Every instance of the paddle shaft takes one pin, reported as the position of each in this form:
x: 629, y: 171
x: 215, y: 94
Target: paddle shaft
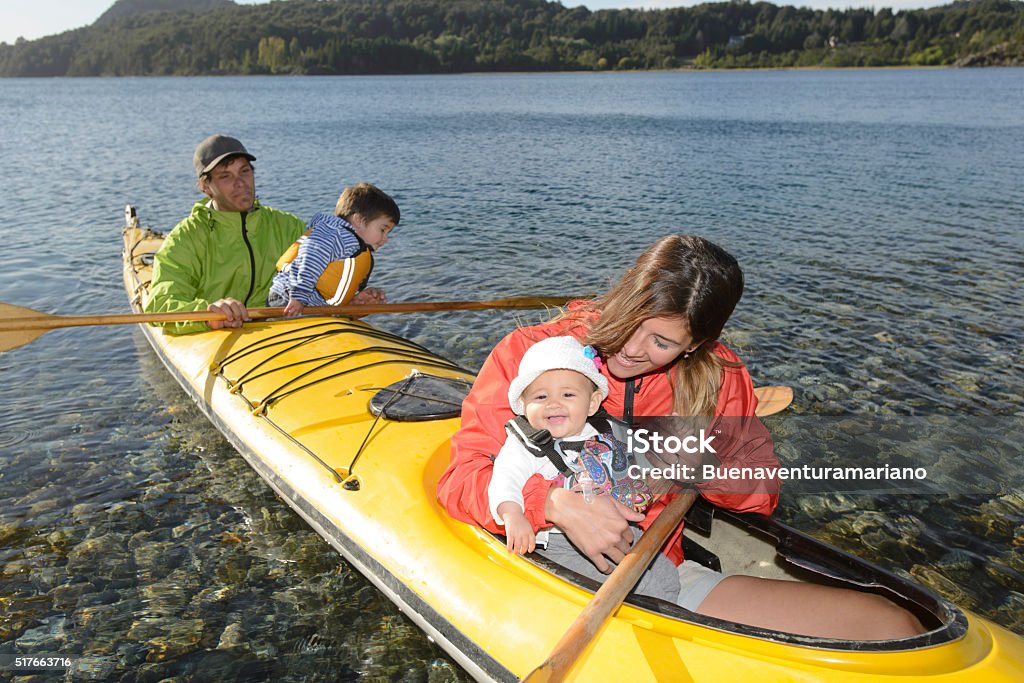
x: 51, y: 322
x: 612, y: 592
x: 20, y: 326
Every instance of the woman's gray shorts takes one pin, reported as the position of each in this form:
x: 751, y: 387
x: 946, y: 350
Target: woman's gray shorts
x: 695, y: 583
x: 686, y: 585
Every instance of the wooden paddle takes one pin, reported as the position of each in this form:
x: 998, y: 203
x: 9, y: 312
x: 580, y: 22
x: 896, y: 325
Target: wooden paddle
x: 771, y: 400
x: 19, y: 326
x: 611, y: 594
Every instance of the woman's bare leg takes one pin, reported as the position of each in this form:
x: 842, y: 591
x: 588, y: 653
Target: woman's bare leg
x: 808, y: 609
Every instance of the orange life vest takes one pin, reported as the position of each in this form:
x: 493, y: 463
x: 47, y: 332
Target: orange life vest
x: 341, y: 280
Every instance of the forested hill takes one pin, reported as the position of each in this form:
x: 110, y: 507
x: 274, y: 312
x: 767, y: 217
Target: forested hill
x: 434, y: 36
x: 127, y: 8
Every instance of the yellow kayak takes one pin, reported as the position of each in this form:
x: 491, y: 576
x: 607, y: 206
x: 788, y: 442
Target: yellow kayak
x: 350, y: 425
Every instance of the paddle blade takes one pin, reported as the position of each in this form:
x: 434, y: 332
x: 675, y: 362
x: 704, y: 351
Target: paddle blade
x: 771, y: 400
x: 12, y: 339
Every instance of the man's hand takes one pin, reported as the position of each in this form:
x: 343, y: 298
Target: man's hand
x: 370, y: 295
x: 234, y: 310
x: 599, y: 529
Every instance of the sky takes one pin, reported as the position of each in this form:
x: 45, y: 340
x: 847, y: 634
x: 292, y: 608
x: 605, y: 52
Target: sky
x: 36, y: 18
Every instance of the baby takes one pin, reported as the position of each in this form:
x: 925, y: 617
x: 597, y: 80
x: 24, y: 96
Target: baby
x: 558, y: 387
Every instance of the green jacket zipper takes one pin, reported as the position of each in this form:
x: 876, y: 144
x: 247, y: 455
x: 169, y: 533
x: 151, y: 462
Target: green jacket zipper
x: 252, y: 261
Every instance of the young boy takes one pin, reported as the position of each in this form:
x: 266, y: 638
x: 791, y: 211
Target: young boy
x: 331, y: 264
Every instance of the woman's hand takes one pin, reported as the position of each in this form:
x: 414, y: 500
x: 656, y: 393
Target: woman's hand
x: 293, y: 309
x: 599, y: 529
x: 234, y: 311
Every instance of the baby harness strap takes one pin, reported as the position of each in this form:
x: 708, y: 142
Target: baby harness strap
x: 603, y: 457
x: 539, y: 442
x: 607, y: 462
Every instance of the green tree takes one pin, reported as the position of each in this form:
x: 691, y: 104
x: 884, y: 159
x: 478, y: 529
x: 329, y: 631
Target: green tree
x: 271, y: 53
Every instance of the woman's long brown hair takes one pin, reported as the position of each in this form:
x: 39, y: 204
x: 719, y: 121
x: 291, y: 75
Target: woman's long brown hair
x: 682, y: 276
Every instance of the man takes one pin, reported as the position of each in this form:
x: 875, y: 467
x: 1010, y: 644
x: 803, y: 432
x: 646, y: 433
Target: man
x: 222, y: 257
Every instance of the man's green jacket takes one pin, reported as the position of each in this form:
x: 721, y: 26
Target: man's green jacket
x: 215, y: 255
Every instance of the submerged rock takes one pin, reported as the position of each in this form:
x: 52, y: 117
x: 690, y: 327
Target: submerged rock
x: 167, y: 638
x: 1012, y: 611
x: 233, y: 636
x: 942, y: 585
x: 104, y: 555
x: 442, y: 671
x: 92, y: 668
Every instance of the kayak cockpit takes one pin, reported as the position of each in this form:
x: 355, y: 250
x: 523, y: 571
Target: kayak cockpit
x: 725, y: 541
x: 751, y: 544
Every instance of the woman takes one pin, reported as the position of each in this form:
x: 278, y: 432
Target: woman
x: 657, y: 332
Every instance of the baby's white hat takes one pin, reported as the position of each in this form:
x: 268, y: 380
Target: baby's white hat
x: 555, y: 353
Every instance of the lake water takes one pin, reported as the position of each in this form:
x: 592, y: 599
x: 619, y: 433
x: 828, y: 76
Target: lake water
x: 879, y: 217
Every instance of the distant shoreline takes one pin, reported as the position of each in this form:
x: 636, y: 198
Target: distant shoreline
x: 398, y: 37
x: 610, y: 72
